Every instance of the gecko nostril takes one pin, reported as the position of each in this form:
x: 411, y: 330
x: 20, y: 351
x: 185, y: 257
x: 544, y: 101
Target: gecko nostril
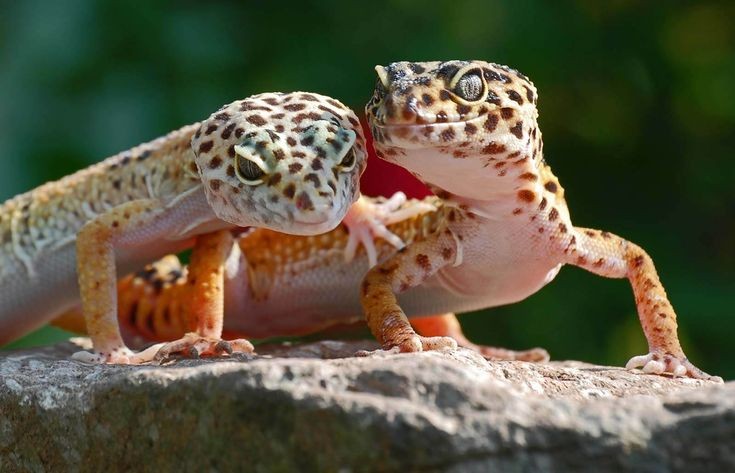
x: 303, y: 201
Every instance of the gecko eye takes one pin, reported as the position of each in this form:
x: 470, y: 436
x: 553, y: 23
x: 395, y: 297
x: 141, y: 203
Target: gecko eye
x: 348, y: 162
x: 470, y: 86
x: 249, y: 172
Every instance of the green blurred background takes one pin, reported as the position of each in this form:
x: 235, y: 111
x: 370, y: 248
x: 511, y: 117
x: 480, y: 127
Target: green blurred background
x: 637, y: 106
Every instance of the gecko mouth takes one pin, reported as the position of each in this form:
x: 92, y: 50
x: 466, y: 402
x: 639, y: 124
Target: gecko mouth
x: 419, y: 126
x: 416, y: 135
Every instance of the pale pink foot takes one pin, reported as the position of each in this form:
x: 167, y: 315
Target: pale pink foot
x: 119, y: 356
x: 662, y: 363
x: 415, y: 343
x: 368, y: 219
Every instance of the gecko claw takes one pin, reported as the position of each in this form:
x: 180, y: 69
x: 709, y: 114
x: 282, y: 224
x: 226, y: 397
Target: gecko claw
x: 223, y: 347
x: 368, y: 220
x: 194, y: 346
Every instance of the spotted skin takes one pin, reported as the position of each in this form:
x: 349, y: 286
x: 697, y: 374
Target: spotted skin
x: 469, y: 129
x: 297, y: 142
x: 289, y: 162
x: 300, y: 286
x: 500, y: 230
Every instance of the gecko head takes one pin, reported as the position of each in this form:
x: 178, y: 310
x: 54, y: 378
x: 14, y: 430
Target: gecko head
x: 289, y: 162
x: 463, y: 110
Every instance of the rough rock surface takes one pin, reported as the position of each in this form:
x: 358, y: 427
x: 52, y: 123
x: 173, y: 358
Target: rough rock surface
x: 308, y: 408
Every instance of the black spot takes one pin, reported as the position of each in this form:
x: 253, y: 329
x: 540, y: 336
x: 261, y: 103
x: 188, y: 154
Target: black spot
x: 256, y: 120
x: 289, y: 191
x: 294, y: 107
x: 491, y: 123
x: 447, y: 70
x: 274, y: 179
x: 447, y: 134
x: 517, y: 130
x: 228, y: 130
x: 272, y: 135
x: 416, y: 68
x: 206, y: 146
x: 529, y: 94
x: 515, y: 96
x: 215, y: 162
x: 337, y: 145
x: 491, y: 75
x: 463, y: 110
x: 314, y: 179
x: 493, y: 98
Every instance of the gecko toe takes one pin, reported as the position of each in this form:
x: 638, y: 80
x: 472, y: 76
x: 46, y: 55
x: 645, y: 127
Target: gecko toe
x: 664, y: 363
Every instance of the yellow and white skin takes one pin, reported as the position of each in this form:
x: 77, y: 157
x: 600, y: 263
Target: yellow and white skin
x: 285, y: 161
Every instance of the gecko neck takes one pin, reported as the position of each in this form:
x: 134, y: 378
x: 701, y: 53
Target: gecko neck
x: 486, y: 186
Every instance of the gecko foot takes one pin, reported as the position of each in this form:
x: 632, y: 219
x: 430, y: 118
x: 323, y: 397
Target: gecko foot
x: 660, y: 363
x: 194, y: 345
x: 368, y: 219
x: 412, y: 344
x: 117, y: 356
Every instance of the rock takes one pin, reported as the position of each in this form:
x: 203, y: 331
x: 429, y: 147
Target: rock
x: 314, y: 408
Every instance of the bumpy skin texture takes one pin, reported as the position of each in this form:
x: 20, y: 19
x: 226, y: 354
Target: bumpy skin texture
x: 289, y: 162
x: 469, y: 129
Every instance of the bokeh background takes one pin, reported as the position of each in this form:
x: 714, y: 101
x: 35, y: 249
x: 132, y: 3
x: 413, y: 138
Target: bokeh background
x: 637, y: 109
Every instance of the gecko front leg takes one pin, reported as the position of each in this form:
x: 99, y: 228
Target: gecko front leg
x: 408, y: 268
x: 98, y: 279
x: 611, y: 256
x: 205, y: 308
